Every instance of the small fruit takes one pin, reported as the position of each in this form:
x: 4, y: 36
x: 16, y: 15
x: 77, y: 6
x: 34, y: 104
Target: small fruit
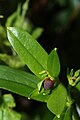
x: 48, y: 83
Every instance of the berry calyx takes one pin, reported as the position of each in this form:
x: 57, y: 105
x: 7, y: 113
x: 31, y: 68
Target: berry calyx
x: 48, y: 84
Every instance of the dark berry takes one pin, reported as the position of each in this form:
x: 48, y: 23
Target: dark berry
x: 48, y: 84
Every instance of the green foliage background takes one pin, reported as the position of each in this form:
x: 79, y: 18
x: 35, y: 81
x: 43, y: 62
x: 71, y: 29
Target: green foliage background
x: 54, y: 23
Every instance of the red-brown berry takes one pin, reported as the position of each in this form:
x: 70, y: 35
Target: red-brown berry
x: 48, y: 83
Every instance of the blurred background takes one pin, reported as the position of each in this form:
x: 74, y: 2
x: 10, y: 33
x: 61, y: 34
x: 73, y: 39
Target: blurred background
x: 54, y: 23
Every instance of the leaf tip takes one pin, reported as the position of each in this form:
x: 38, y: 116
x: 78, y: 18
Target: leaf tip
x: 55, y: 49
x: 29, y: 98
x: 58, y: 116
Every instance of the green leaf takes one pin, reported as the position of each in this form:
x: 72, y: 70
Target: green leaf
x: 53, y: 63
x: 37, y: 32
x: 12, y: 19
x: 17, y: 81
x: 9, y: 100
x: 29, y: 50
x: 57, y: 100
x: 12, y: 61
x: 56, y: 118
x: 68, y: 115
x: 6, y: 112
x: 39, y: 96
x: 20, y: 82
x: 77, y: 73
x: 78, y: 86
x: 11, y: 115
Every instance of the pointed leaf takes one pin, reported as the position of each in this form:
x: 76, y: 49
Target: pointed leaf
x: 53, y: 63
x: 20, y: 82
x: 56, y: 118
x: 57, y: 100
x: 29, y: 50
x: 66, y: 115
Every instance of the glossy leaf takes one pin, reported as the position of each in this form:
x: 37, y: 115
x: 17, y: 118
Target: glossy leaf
x: 29, y: 50
x: 17, y: 81
x: 20, y: 82
x: 39, y: 96
x: 57, y: 100
x: 53, y: 64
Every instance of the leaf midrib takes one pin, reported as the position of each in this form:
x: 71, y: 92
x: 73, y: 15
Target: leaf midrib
x: 15, y: 82
x: 26, y: 50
